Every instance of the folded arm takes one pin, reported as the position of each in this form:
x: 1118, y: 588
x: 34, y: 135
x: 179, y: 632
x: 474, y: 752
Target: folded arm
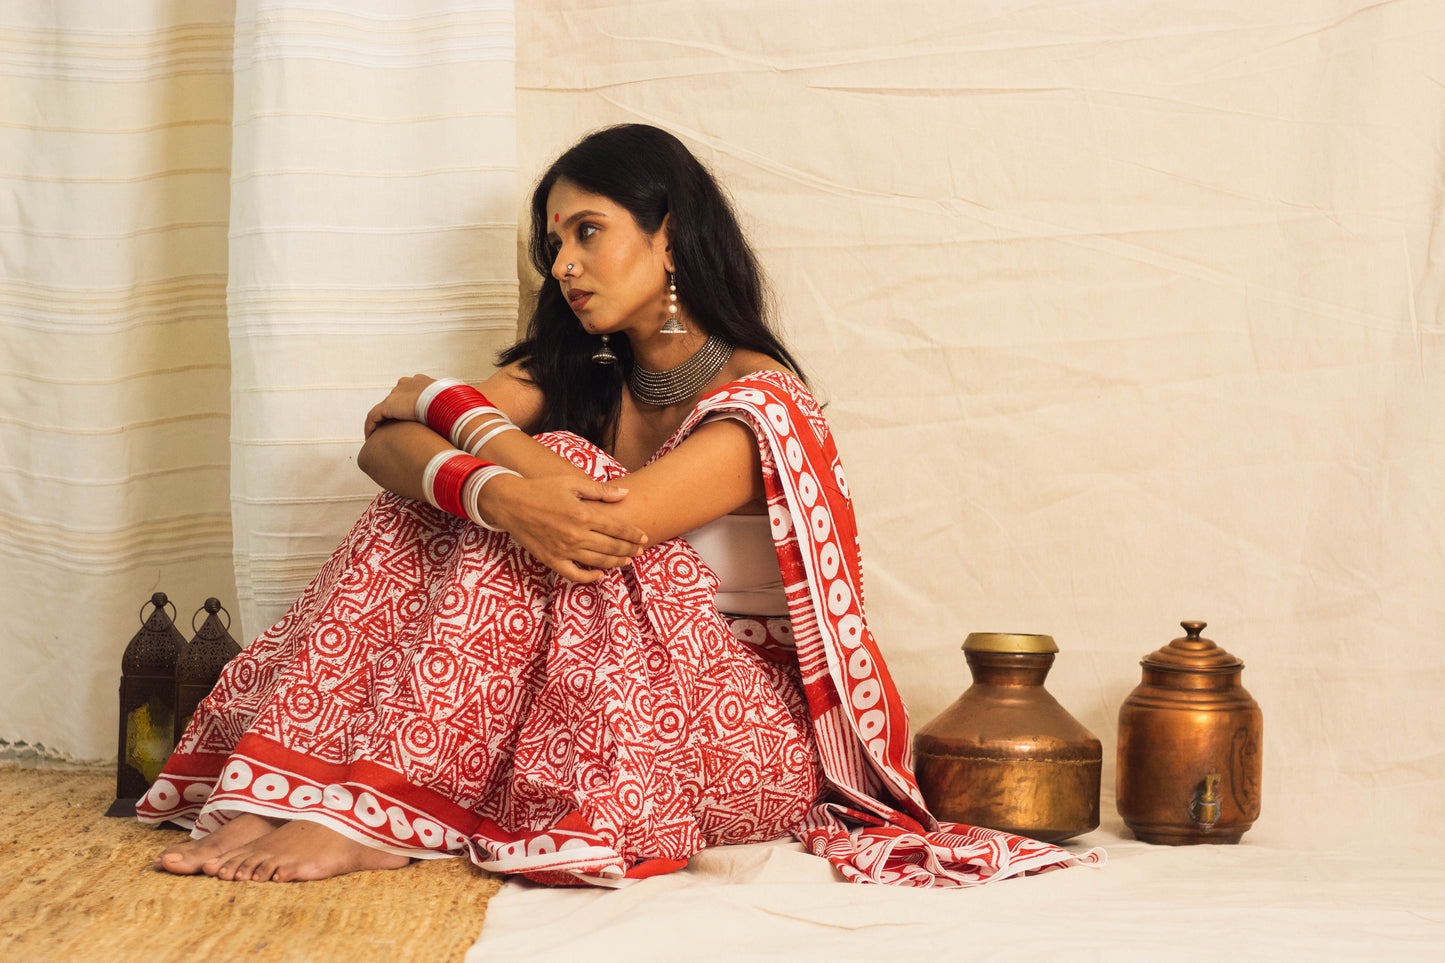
x: 574, y: 524
x: 712, y: 473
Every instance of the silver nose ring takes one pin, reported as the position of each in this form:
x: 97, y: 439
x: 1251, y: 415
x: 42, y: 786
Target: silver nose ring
x: 569, y: 269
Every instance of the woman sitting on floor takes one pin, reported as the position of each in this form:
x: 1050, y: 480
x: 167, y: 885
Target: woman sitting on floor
x: 585, y: 649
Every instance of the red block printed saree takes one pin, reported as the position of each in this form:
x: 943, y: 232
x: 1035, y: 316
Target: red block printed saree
x: 437, y: 690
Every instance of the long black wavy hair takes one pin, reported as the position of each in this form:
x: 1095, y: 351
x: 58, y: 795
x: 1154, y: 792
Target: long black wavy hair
x: 650, y: 173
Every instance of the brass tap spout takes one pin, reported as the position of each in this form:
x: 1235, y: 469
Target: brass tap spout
x: 1204, y: 807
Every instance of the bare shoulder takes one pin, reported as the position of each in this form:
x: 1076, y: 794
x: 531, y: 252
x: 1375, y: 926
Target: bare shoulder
x: 745, y: 362
x: 515, y: 372
x: 511, y: 390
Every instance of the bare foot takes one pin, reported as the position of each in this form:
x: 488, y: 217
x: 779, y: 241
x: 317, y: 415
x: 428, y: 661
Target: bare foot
x: 300, y: 850
x: 186, y: 859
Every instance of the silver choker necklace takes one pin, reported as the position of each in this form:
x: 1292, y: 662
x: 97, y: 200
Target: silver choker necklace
x: 662, y: 388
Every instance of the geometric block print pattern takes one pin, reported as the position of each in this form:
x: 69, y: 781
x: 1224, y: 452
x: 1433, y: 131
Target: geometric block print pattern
x: 436, y: 690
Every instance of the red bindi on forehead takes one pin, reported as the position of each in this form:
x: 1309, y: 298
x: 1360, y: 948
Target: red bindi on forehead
x: 556, y: 218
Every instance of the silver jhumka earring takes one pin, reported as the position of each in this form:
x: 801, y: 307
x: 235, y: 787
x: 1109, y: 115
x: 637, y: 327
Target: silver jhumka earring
x: 603, y: 354
x: 674, y: 324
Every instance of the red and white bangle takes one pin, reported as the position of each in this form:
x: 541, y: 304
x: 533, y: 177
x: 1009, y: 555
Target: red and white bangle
x: 473, y: 492
x: 444, y: 477
x: 424, y: 400
x: 446, y: 405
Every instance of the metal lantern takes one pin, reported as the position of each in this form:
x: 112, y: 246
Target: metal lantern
x: 147, y: 705
x: 200, y: 664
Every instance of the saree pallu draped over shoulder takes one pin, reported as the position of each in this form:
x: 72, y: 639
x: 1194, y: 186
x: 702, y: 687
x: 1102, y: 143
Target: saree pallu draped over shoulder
x: 437, y: 690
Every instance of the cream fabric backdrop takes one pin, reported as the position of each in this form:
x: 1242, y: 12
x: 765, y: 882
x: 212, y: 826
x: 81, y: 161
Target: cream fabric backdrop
x: 1127, y: 313
x: 350, y: 200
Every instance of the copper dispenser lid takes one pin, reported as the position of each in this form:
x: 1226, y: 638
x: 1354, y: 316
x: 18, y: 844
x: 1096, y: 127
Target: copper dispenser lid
x: 1008, y: 642
x: 1192, y: 654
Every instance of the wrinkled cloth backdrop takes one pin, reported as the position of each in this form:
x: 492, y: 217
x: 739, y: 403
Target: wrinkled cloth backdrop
x: 1125, y: 314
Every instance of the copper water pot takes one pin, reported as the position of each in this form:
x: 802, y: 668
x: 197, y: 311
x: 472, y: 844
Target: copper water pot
x: 1006, y: 755
x: 1189, y: 746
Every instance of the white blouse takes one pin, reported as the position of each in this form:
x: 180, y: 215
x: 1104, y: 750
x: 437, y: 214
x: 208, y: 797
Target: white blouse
x: 739, y: 550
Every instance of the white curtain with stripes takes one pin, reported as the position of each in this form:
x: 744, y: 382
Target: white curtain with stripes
x: 225, y: 229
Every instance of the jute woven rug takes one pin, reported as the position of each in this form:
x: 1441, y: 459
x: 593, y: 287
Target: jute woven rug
x: 77, y: 887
